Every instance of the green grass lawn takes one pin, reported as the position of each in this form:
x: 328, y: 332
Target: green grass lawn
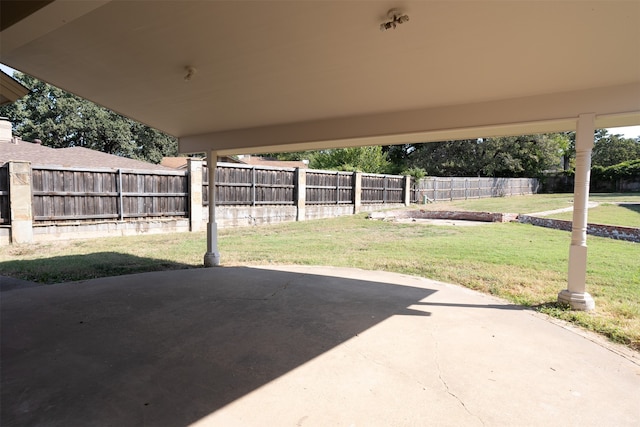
x: 519, y: 262
x: 606, y: 213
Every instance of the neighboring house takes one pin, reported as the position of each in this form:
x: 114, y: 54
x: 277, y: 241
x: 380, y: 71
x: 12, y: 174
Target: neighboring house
x: 181, y: 162
x: 265, y: 161
x: 15, y: 149
x: 174, y: 162
x: 178, y: 162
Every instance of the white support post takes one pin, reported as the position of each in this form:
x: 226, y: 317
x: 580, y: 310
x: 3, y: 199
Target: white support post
x: 212, y: 257
x: 575, y: 295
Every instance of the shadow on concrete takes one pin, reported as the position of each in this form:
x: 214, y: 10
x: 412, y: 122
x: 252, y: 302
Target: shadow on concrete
x: 169, y: 348
x: 69, y: 268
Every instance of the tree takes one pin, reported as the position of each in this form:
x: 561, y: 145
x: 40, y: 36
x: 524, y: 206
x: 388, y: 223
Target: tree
x: 363, y: 159
x: 61, y: 119
x: 566, y: 142
x: 513, y: 156
x: 448, y: 158
x: 609, y: 150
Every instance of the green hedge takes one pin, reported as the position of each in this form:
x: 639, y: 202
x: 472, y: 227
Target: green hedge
x: 624, y: 170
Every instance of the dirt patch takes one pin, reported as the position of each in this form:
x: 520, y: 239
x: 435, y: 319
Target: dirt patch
x: 443, y: 217
x: 459, y: 223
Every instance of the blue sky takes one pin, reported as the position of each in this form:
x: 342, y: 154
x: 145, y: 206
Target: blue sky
x: 628, y: 131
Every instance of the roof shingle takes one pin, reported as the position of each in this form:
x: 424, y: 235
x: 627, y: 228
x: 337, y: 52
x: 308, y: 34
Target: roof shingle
x: 81, y: 157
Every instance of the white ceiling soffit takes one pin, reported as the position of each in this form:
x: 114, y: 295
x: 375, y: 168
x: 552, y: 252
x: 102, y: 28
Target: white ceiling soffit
x: 317, y: 73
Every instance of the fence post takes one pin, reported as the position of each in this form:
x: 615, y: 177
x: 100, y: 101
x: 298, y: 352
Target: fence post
x: 384, y: 189
x: 357, y: 191
x: 194, y: 171
x: 120, y: 201
x: 435, y: 189
x: 407, y: 190
x: 253, y: 186
x: 301, y: 194
x: 20, y: 211
x: 451, y: 189
x: 337, y: 187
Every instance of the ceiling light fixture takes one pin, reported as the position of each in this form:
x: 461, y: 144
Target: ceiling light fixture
x: 395, y: 18
x: 190, y: 72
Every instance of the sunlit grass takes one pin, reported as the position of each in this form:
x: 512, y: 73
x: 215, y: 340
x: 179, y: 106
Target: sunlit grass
x: 625, y: 215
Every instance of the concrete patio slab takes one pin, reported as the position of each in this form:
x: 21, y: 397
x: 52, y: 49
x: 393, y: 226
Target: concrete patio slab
x: 299, y: 346
x: 9, y: 283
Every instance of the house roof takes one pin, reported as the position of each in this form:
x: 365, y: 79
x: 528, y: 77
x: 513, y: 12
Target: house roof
x: 174, y: 162
x: 18, y: 150
x: 181, y: 162
x: 247, y: 77
x: 261, y: 161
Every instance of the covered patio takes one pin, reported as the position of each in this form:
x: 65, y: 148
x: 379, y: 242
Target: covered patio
x: 232, y: 77
x: 229, y: 77
x: 313, y: 346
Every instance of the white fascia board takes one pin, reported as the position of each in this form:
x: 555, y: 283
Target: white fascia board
x: 613, y: 106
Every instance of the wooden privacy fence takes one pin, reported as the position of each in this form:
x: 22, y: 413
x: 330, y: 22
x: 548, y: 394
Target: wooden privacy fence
x: 383, y: 188
x: 263, y: 185
x: 442, y: 189
x: 63, y: 194
x: 325, y: 187
x: 83, y: 194
x: 251, y: 185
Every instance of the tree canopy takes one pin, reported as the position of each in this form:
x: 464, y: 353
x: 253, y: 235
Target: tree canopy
x: 609, y: 150
x: 61, y: 119
x: 364, y: 159
x: 513, y: 156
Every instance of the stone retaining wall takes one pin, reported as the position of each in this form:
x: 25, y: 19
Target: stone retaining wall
x: 611, y: 231
x: 453, y: 215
